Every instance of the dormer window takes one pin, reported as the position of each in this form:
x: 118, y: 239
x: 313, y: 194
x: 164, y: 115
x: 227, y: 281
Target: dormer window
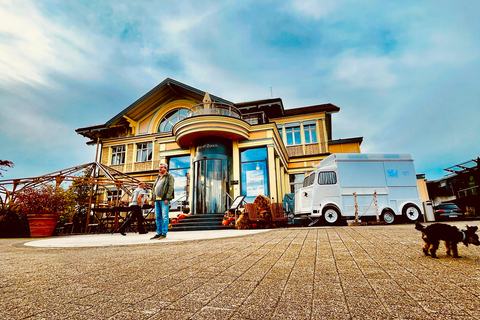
x: 171, y: 118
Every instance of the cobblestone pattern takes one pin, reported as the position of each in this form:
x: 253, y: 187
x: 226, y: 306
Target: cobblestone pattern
x: 369, y: 272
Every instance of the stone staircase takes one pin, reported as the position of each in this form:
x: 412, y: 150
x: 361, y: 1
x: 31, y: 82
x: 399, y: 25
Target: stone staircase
x: 212, y: 221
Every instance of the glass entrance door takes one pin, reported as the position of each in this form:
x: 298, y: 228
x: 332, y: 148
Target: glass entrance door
x: 211, y: 185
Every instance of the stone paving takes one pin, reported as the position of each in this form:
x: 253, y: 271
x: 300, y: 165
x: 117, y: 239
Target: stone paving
x: 363, y: 272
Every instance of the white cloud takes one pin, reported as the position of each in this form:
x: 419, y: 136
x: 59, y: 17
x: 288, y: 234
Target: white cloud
x: 33, y: 46
x: 365, y: 72
x: 442, y: 48
x: 316, y: 9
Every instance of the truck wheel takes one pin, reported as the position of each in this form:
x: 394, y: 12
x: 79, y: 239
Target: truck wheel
x: 331, y: 215
x: 388, y: 216
x: 411, y: 213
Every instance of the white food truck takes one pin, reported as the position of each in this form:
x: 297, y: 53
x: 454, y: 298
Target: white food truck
x: 345, y: 183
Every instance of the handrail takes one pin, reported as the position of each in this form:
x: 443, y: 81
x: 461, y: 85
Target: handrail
x: 214, y: 108
x: 176, y: 200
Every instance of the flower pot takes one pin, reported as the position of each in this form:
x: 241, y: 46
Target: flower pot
x: 42, y: 225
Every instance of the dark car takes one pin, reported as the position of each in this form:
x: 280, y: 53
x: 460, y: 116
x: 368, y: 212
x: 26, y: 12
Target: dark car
x: 447, y: 211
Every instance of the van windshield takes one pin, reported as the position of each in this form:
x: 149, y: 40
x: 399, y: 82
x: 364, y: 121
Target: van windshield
x: 309, y: 180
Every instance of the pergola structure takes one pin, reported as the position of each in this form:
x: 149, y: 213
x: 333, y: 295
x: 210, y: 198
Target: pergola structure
x: 94, y: 174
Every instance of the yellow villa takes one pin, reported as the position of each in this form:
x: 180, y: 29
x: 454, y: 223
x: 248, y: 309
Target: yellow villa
x: 217, y: 149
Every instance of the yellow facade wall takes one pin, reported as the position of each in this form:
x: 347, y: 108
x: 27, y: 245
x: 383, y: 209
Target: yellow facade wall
x: 344, y: 148
x: 422, y: 189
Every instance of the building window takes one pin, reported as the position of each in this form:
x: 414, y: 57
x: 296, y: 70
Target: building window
x: 310, y: 131
x: 293, y: 134
x: 113, y: 196
x: 179, y: 168
x: 171, y: 118
x: 118, y: 155
x: 254, y: 173
x: 327, y: 177
x: 255, y: 118
x: 296, y: 181
x: 144, y: 152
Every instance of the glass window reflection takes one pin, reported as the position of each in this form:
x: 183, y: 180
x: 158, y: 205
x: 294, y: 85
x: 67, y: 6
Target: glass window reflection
x: 171, y: 118
x: 179, y: 162
x: 254, y: 154
x: 254, y: 173
x: 179, y: 168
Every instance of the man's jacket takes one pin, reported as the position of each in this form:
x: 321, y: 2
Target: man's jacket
x: 167, y: 192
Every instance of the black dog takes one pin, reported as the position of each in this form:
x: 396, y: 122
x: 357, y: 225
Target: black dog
x: 433, y: 233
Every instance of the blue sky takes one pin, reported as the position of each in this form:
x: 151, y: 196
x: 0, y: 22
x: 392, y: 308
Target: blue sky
x: 405, y: 74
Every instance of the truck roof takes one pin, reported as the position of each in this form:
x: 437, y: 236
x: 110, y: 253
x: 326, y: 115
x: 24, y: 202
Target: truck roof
x: 364, y: 156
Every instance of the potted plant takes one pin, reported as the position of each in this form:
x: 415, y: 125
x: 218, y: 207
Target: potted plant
x: 44, y: 206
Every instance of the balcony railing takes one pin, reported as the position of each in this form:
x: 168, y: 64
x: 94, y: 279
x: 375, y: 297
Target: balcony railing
x: 472, y: 191
x: 214, y: 108
x: 255, y: 118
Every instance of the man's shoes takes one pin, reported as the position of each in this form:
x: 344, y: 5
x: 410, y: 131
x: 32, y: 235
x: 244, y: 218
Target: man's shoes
x: 123, y: 233
x: 162, y: 237
x: 144, y: 232
x: 155, y: 237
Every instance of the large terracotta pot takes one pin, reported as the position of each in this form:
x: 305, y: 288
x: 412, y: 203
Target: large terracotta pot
x: 42, y: 225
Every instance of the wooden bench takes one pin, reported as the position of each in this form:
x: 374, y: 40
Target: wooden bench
x: 252, y: 211
x: 278, y: 216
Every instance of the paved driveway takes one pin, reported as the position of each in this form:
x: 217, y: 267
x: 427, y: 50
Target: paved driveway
x: 365, y: 272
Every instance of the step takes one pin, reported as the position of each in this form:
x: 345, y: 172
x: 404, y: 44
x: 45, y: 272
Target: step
x: 179, y: 227
x: 205, y: 216
x: 200, y: 220
x: 198, y: 223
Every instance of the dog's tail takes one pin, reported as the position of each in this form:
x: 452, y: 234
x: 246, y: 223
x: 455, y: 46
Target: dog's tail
x: 419, y: 227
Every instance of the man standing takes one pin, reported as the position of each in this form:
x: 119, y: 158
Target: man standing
x: 162, y: 193
x: 136, y: 206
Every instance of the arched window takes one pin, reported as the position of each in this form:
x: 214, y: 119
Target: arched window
x: 171, y: 118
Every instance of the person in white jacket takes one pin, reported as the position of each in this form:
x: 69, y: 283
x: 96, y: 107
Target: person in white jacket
x: 136, y: 203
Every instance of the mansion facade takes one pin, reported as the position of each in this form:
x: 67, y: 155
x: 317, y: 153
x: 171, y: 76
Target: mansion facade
x: 217, y: 149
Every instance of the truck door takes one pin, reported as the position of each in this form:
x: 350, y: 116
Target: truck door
x: 327, y: 190
x: 305, y: 194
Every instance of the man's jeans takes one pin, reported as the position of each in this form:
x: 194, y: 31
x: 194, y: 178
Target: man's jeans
x: 161, y: 216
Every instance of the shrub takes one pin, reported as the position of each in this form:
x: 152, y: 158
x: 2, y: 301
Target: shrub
x: 11, y: 224
x: 46, y: 200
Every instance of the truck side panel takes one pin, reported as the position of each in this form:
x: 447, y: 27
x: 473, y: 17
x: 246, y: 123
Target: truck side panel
x: 400, y: 174
x: 361, y: 174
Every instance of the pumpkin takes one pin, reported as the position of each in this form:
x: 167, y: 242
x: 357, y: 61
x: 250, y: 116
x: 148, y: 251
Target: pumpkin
x: 228, y: 221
